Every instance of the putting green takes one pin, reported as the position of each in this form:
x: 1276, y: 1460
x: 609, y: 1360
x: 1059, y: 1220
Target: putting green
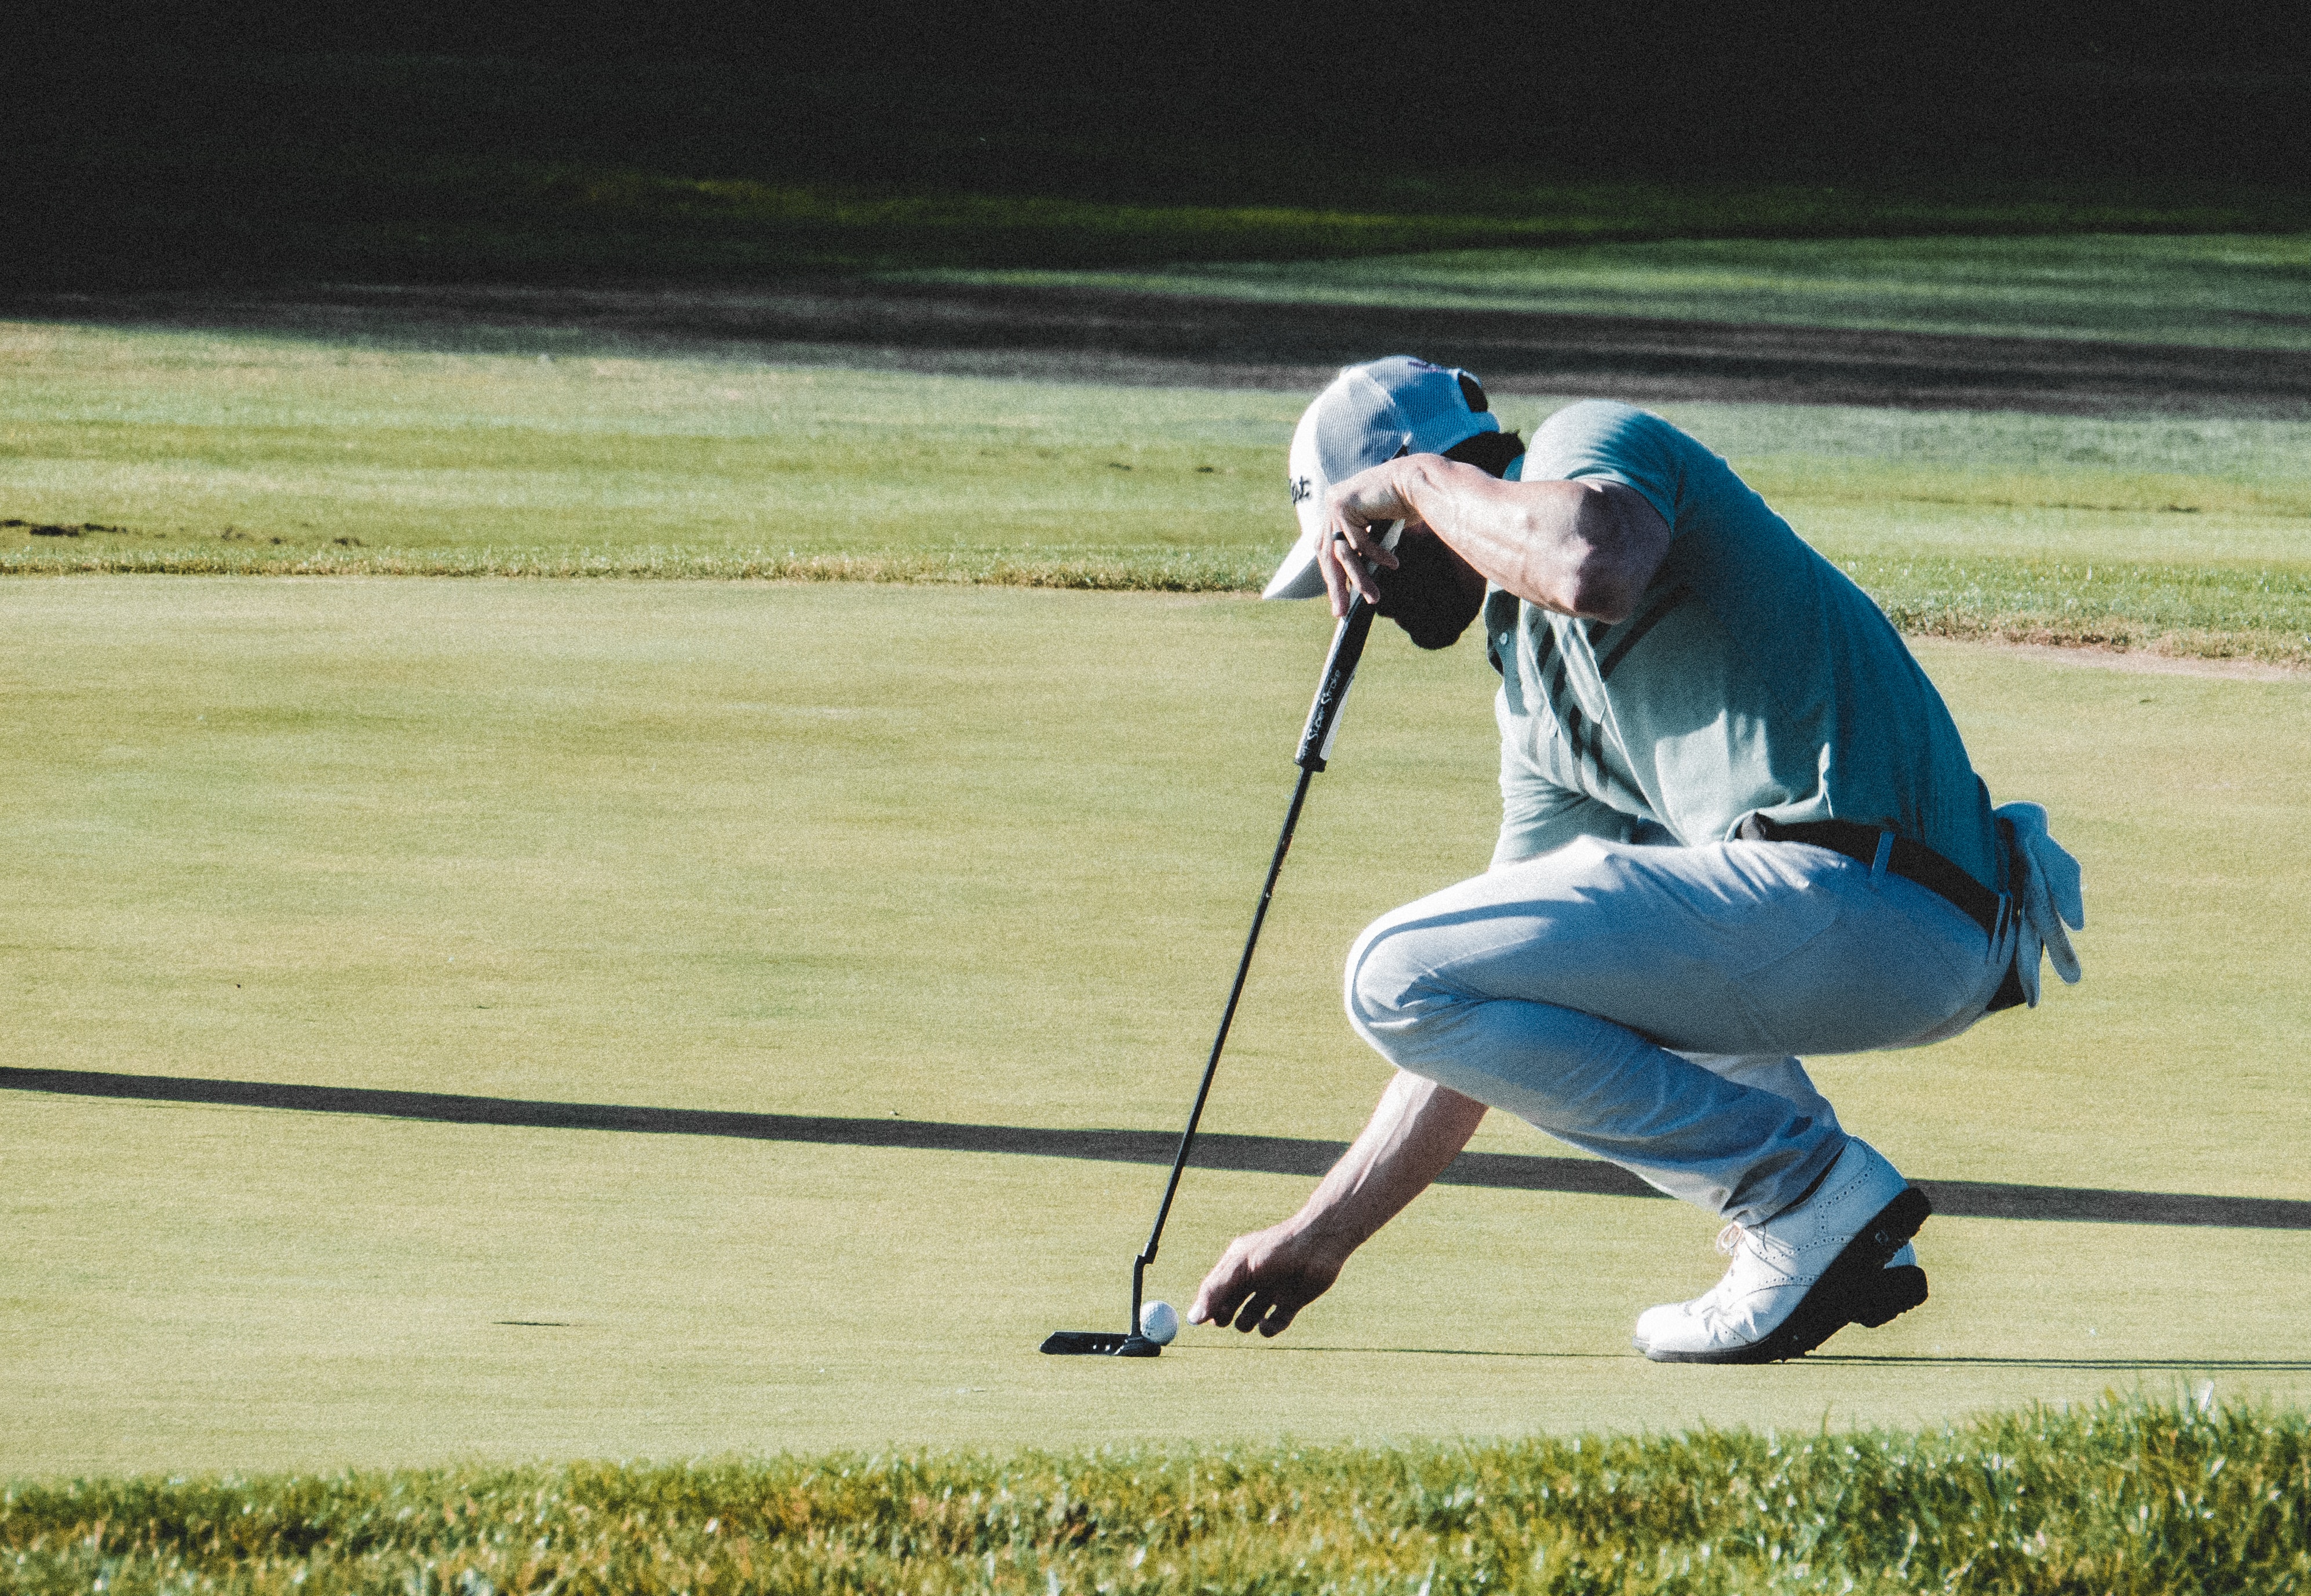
x: 970, y: 855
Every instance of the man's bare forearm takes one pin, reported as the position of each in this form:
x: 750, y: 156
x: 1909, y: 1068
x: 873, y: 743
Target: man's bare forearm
x: 1416, y: 1131
x: 1581, y: 548
x: 1575, y: 546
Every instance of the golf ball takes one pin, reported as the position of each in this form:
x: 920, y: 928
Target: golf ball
x: 1159, y: 1322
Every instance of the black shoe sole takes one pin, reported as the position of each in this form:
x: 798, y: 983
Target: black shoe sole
x: 1848, y: 1290
x: 1885, y: 1299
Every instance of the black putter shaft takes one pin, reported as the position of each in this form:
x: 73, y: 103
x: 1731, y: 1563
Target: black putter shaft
x: 1316, y: 748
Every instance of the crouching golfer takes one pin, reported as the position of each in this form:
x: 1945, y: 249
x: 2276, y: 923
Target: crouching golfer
x: 1738, y: 825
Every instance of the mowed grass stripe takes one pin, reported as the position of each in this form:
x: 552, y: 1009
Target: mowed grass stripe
x: 2241, y: 290
x: 183, y: 453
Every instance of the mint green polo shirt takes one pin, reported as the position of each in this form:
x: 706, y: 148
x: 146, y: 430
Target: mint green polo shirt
x: 1752, y: 676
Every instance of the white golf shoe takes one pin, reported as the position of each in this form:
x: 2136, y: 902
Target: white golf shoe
x: 1838, y: 1257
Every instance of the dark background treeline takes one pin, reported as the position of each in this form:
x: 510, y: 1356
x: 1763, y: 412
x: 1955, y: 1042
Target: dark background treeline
x: 154, y: 142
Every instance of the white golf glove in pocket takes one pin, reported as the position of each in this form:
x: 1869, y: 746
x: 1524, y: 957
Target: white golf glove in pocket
x: 2045, y: 896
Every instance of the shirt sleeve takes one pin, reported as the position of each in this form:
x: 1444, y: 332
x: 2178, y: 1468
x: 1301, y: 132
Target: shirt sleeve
x: 1599, y: 440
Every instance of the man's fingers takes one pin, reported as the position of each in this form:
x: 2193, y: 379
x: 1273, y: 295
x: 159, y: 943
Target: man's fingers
x: 1357, y: 516
x: 1370, y: 541
x: 1335, y: 582
x: 1223, y: 1289
x: 1215, y: 1307
x: 1260, y: 1282
x: 1246, y: 1302
x: 1350, y: 558
x: 1271, y: 1310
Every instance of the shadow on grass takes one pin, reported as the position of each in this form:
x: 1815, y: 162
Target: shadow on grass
x: 1256, y: 1155
x: 1416, y: 1352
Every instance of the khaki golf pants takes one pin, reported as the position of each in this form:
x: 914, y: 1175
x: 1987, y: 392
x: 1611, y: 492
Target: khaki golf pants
x: 1645, y: 1003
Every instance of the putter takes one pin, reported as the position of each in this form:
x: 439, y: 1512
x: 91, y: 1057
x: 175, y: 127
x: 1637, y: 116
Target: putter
x: 1315, y: 749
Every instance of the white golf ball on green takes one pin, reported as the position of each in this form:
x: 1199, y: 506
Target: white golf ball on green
x: 1159, y: 1322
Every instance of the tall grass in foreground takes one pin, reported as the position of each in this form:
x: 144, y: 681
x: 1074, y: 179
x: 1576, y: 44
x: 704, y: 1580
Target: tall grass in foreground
x: 2125, y: 1496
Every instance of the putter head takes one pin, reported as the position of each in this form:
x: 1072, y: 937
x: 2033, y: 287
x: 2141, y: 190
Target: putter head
x: 1099, y: 1344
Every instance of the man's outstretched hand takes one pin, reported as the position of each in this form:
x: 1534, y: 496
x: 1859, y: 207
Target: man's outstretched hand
x: 1264, y: 1279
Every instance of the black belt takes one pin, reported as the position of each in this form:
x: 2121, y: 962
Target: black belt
x: 1913, y: 861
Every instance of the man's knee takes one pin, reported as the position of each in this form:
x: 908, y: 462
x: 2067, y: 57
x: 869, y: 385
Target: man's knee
x: 1390, y: 982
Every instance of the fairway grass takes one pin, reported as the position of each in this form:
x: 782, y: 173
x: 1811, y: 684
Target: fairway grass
x: 985, y: 857
x: 171, y: 452
x: 2226, y: 291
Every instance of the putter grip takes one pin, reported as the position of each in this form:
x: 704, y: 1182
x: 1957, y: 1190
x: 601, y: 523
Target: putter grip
x: 1332, y: 692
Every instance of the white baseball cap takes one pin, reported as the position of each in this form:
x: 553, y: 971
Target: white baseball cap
x: 1371, y: 413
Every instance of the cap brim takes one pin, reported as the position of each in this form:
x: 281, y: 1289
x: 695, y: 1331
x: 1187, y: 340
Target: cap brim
x: 1297, y: 577
x: 1356, y: 424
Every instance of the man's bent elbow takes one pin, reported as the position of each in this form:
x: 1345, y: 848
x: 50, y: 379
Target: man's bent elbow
x: 1610, y: 581
x: 1604, y: 595
x: 1595, y: 588
x: 1626, y: 542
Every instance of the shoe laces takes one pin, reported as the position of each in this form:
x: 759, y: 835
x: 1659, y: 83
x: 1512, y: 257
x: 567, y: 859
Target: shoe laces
x: 1745, y: 1243
x: 1710, y: 1307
